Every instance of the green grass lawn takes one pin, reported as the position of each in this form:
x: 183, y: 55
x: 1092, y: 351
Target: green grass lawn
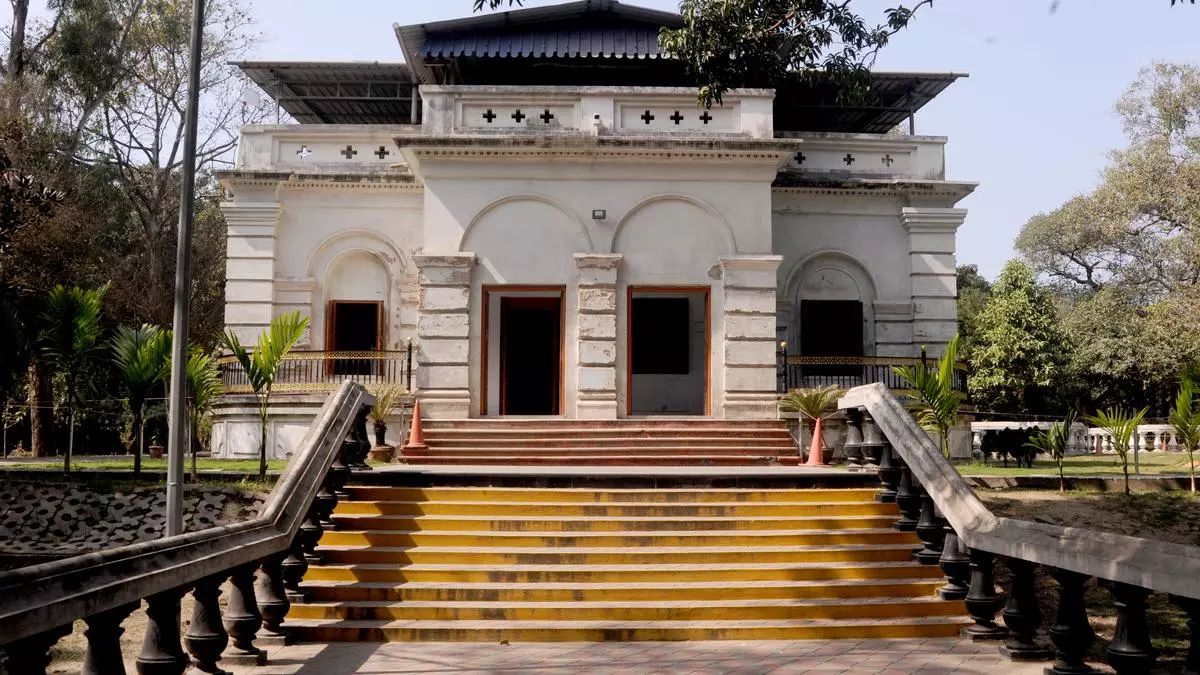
x: 1152, y: 463
x: 126, y: 464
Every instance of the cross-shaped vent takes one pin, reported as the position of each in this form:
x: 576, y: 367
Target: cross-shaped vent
x: 647, y: 117
x: 304, y: 152
x: 676, y: 118
x: 800, y: 158
x: 349, y: 152
x: 489, y: 116
x: 706, y: 118
x: 382, y: 152
x: 518, y: 116
x: 887, y: 159
x: 546, y: 116
x: 848, y: 159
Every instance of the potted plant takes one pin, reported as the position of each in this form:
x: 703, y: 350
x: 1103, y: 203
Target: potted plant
x: 156, y: 448
x: 387, y: 398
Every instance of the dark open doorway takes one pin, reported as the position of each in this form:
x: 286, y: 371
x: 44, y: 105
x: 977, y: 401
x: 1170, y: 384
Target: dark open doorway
x: 354, y: 326
x: 668, y: 348
x: 530, y: 355
x: 831, y: 328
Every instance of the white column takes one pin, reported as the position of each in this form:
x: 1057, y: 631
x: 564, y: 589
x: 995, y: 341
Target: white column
x: 931, y: 233
x: 250, y: 267
x: 748, y: 336
x: 443, y: 350
x: 597, y: 370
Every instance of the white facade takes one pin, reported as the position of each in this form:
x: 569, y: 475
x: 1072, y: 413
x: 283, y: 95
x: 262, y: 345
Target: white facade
x: 596, y: 196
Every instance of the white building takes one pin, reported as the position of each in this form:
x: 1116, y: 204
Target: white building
x: 535, y: 200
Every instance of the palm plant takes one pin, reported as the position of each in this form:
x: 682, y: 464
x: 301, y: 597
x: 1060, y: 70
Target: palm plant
x: 262, y: 366
x: 1185, y: 420
x: 143, y: 359
x: 1054, y: 442
x: 1121, y: 425
x: 387, y: 398
x: 70, y: 341
x: 811, y: 403
x: 934, y: 402
x: 204, y: 386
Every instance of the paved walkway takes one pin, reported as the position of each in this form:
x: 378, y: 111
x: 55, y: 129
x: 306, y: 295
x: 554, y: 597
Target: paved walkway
x: 849, y: 657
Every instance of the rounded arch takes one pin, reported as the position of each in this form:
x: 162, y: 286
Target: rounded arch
x: 350, y: 241
x: 727, y: 231
x: 835, y: 277
x: 335, y: 257
x: 549, y: 201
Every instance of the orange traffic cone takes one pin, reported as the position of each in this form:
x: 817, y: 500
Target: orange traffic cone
x: 416, y: 436
x: 815, y: 458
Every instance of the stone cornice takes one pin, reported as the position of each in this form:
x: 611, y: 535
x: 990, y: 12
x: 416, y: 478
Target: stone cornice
x: 768, y: 263
x: 932, y: 219
x: 372, y: 181
x: 795, y: 183
x: 590, y: 148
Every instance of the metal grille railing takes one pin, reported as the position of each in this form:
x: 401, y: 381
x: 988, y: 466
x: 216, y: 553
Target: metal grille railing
x: 845, y: 372
x: 324, y: 371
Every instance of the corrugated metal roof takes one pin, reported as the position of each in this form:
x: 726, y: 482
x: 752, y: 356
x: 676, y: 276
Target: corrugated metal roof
x: 629, y: 42
x: 336, y: 93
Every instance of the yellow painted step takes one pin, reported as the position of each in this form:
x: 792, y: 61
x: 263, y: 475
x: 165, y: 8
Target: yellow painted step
x: 627, y: 509
x: 639, y: 573
x: 586, y: 495
x: 604, y: 524
x: 667, y: 555
x: 661, y: 610
x: 314, y: 630
x: 622, y: 591
x: 632, y: 539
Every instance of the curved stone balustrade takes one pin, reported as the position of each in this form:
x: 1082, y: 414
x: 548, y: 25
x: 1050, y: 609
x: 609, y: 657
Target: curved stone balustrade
x: 264, y: 558
x: 954, y: 525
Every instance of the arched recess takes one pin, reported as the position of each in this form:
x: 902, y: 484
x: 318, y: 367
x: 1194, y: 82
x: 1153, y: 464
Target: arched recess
x: 357, y: 266
x: 830, y: 281
x: 526, y: 239
x: 672, y: 239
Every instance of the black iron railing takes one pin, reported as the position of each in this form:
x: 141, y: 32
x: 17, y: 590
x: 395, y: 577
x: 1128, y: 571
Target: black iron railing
x: 323, y: 371
x: 845, y: 372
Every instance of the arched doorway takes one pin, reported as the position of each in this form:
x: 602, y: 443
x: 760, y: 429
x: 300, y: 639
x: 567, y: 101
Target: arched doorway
x: 833, y: 320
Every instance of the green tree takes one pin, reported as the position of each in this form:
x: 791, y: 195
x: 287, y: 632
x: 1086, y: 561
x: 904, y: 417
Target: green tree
x: 973, y: 292
x: 1185, y: 420
x: 934, y: 401
x: 143, y: 360
x: 1122, y: 426
x: 1019, y: 351
x: 262, y: 366
x: 71, y: 340
x: 204, y: 387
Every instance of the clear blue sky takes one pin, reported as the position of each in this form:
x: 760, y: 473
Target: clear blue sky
x: 1032, y: 125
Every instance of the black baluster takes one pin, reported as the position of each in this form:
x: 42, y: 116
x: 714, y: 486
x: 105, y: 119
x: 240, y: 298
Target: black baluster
x: 930, y: 531
x: 955, y: 562
x: 243, y: 619
x: 908, y: 499
x: 408, y: 371
x: 104, y: 631
x: 310, y: 535
x: 982, y: 600
x: 273, y: 603
x: 31, y: 655
x: 162, y: 653
x: 293, y: 568
x: 326, y: 499
x: 339, y: 471
x: 206, y: 637
x: 1023, y: 614
x: 1192, y: 607
x: 1129, y: 652
x: 362, y: 441
x: 852, y: 447
x: 1071, y: 633
x: 872, y: 444
x: 889, y: 474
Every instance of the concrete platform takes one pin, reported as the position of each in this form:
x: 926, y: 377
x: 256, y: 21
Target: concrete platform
x: 848, y: 657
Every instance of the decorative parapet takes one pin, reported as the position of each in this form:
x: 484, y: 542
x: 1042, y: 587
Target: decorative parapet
x: 326, y: 149
x: 597, y: 111
x: 869, y: 156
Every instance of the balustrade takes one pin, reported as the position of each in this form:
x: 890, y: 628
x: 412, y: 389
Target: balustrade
x: 259, y: 593
x: 968, y: 570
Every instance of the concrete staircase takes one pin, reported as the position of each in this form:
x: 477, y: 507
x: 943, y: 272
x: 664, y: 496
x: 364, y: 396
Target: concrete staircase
x: 680, y: 442
x: 593, y: 564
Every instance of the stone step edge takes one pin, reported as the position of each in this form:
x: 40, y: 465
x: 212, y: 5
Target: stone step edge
x: 429, y: 502
x: 734, y: 623
x: 634, y: 604
x: 621, y: 550
x: 613, y: 585
x: 641, y: 534
x: 542, y: 518
x: 670, y: 567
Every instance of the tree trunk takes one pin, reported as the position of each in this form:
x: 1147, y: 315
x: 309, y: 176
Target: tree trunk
x: 16, y: 46
x: 139, y: 428
x: 41, y: 417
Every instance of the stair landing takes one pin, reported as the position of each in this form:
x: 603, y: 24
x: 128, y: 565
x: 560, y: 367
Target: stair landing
x: 628, y: 442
